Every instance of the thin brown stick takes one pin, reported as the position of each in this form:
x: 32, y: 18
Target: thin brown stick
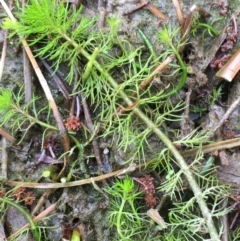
x: 225, y: 224
x: 186, y: 123
x: 27, y: 71
x: 234, y: 219
x: 49, y: 186
x: 59, y: 82
x: 186, y: 26
x: 201, y: 11
x: 161, y: 66
x: 138, y: 7
x: 8, y: 136
x: 41, y: 201
x: 90, y: 126
x: 4, y: 49
x: 231, y: 68
x: 213, y: 147
x: 178, y: 11
x: 41, y: 215
x: 233, y: 106
x: 4, y: 159
x: 3, y: 55
x: 154, y: 10
x: 102, y: 13
x: 235, y: 24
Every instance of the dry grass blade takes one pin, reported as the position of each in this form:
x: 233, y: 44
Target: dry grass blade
x: 155, y: 11
x: 213, y: 147
x: 3, y: 55
x: 231, y: 68
x: 178, y: 11
x: 154, y: 214
x: 131, y: 168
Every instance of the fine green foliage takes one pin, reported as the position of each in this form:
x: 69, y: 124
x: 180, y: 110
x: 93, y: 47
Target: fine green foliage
x: 207, y: 28
x: 5, y: 100
x: 167, y: 36
x: 68, y: 44
x: 52, y: 19
x: 185, y: 218
x: 16, y: 116
x: 123, y: 214
x: 67, y: 37
x: 113, y: 70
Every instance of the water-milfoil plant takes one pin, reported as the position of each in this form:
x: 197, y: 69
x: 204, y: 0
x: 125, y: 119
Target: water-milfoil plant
x: 19, y: 117
x: 124, y: 214
x: 60, y: 41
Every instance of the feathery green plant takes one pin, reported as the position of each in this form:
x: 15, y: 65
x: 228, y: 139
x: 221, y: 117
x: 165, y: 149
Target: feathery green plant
x: 123, y: 213
x: 63, y: 43
x: 16, y: 116
x: 196, y: 25
x: 50, y: 24
x: 185, y: 217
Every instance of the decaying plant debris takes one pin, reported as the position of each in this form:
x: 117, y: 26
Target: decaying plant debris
x: 124, y: 132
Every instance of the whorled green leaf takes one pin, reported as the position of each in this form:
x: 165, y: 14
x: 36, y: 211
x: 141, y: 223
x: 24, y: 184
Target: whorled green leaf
x: 5, y: 100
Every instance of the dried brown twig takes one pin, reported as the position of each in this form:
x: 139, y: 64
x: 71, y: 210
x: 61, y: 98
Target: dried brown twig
x: 3, y: 55
x: 90, y: 126
x: 186, y: 26
x: 4, y: 158
x: 59, y: 82
x: 130, y: 168
x: 178, y: 11
x: 138, y: 7
x: 102, y: 13
x: 233, y: 106
x: 27, y: 70
x: 213, y: 147
x: 231, y: 68
x: 153, y: 9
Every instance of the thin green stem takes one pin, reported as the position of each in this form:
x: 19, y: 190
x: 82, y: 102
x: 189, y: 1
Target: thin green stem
x: 210, y: 29
x: 135, y: 212
x: 184, y: 73
x: 32, y: 119
x: 148, y: 44
x: 26, y: 214
x: 90, y: 64
x: 119, y: 228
